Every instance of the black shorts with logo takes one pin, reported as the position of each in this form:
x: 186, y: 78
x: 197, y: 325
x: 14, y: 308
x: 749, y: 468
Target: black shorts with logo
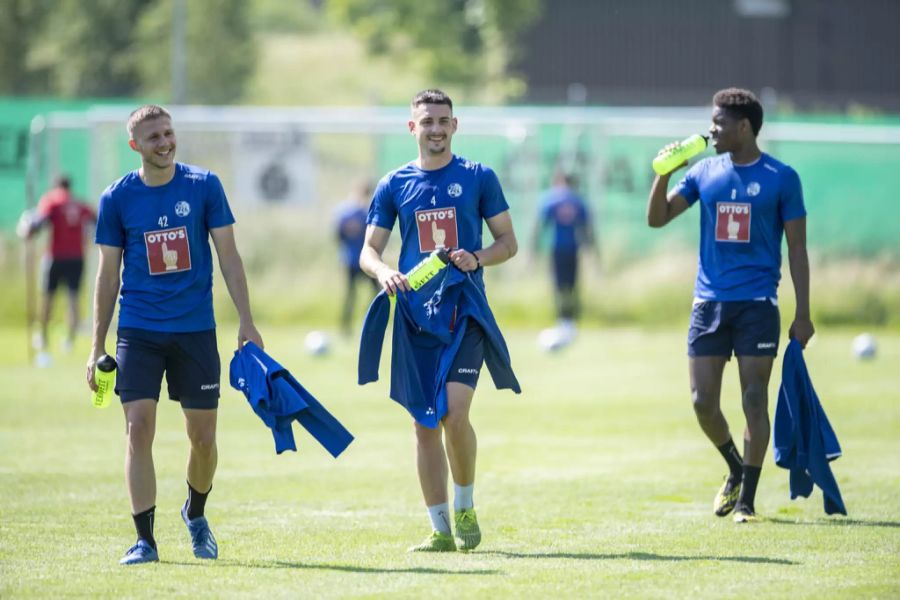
x: 63, y: 270
x: 469, y: 358
x: 189, y: 360
x: 747, y: 328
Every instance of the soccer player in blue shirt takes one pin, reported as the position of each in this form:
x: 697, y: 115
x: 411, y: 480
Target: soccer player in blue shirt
x: 441, y: 200
x: 563, y: 209
x: 747, y: 201
x: 350, y: 227
x: 155, y: 223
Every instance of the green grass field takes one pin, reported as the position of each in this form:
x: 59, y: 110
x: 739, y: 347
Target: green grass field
x: 595, y: 482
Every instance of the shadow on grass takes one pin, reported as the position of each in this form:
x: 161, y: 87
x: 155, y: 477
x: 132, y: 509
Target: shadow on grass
x: 836, y: 522
x: 642, y: 556
x: 330, y: 567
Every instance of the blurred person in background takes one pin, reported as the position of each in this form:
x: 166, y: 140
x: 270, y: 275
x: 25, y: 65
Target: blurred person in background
x: 155, y: 223
x: 748, y: 201
x: 564, y: 210
x: 350, y: 229
x: 442, y: 200
x: 67, y: 219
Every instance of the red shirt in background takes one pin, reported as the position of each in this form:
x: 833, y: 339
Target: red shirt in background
x: 67, y: 218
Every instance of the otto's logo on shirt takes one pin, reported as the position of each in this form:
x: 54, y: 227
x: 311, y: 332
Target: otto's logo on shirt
x: 436, y: 227
x: 733, y: 222
x: 168, y: 250
x: 454, y: 190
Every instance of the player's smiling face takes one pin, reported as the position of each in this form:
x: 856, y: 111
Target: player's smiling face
x: 726, y: 131
x: 434, y: 126
x: 154, y: 140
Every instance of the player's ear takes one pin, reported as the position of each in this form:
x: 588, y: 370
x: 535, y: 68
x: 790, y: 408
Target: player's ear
x: 132, y: 145
x: 412, y: 126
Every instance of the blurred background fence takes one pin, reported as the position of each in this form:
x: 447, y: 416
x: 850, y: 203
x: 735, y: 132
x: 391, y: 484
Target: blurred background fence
x: 305, y: 160
x: 595, y: 87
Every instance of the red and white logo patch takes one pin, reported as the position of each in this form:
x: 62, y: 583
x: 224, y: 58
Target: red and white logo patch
x: 437, y: 227
x: 168, y: 250
x: 733, y: 222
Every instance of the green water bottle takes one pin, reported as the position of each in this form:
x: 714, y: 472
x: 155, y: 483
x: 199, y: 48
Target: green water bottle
x: 430, y: 266
x: 105, y: 378
x: 668, y: 161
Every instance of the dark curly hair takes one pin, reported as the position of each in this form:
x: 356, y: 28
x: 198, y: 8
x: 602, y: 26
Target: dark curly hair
x: 742, y: 104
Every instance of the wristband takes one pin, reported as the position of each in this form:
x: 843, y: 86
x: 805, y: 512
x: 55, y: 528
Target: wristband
x: 477, y: 261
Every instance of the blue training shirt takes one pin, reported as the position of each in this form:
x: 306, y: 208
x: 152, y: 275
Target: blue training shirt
x: 444, y: 207
x: 568, y: 214
x: 743, y: 209
x: 351, y: 232
x: 164, y: 234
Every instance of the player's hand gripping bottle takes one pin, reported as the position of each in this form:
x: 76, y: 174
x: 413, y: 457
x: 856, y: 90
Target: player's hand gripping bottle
x: 430, y: 266
x: 105, y: 378
x: 668, y: 160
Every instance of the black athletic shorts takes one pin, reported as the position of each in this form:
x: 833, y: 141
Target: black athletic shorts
x: 565, y: 268
x: 189, y: 360
x: 65, y: 270
x: 469, y: 358
x: 748, y: 328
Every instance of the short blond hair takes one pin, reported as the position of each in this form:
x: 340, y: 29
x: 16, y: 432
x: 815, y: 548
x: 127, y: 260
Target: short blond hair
x: 147, y: 112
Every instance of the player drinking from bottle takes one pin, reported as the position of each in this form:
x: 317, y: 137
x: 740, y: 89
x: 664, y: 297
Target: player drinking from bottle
x: 747, y: 200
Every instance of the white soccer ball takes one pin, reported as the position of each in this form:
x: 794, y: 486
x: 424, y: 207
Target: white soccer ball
x: 864, y: 346
x: 551, y: 339
x: 317, y: 343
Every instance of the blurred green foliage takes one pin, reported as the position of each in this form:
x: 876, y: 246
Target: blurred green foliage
x: 123, y: 48
x: 470, y: 43
x: 66, y: 49
x: 220, y: 55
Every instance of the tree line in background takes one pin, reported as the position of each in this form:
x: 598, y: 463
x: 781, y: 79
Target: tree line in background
x: 121, y: 48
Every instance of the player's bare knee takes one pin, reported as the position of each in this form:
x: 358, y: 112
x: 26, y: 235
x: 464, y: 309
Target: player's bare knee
x: 704, y: 404
x: 426, y: 436
x: 457, y: 425
x: 203, y: 440
x: 140, y: 431
x: 755, y: 400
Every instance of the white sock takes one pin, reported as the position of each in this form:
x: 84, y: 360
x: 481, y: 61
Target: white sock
x: 462, y: 498
x: 440, y: 517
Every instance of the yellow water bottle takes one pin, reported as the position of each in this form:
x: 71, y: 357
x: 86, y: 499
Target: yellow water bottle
x: 668, y: 161
x: 423, y: 272
x: 105, y: 378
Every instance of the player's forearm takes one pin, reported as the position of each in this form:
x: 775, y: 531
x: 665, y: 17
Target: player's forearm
x: 105, y: 292
x: 236, y: 282
x: 370, y: 262
x: 799, y: 264
x: 658, y: 204
x: 504, y: 248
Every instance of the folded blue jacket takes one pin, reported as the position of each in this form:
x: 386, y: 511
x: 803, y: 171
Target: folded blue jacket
x: 803, y: 439
x: 279, y: 399
x: 424, y: 345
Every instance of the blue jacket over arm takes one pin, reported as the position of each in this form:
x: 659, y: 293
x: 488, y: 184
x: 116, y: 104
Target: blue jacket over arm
x: 424, y: 345
x: 279, y: 399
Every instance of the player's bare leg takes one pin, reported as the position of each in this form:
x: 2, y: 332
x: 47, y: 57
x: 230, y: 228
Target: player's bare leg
x: 140, y: 476
x: 462, y: 448
x: 754, y: 373
x: 431, y: 462
x: 706, y: 391
x: 201, y: 468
